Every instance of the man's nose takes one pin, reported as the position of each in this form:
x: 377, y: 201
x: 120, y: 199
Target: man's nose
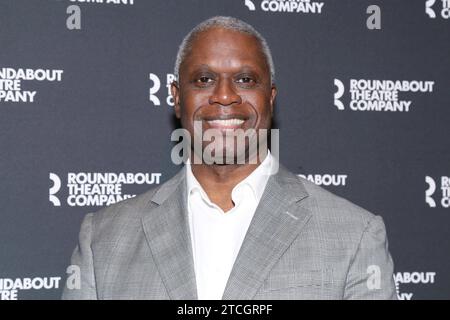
x: 225, y: 94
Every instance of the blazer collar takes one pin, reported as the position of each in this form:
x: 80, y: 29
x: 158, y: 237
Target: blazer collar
x: 166, y: 228
x: 278, y: 220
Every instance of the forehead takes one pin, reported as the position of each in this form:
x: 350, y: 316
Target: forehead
x: 220, y: 49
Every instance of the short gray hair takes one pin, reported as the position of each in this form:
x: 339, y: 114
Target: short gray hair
x: 228, y: 23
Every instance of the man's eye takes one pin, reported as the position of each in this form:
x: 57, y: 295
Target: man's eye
x: 204, y: 79
x: 245, y: 80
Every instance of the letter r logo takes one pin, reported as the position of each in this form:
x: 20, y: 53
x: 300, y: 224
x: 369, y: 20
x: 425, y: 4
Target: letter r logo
x: 428, y: 10
x: 54, y: 189
x: 250, y: 5
x: 338, y: 94
x: 154, y: 89
x: 429, y: 192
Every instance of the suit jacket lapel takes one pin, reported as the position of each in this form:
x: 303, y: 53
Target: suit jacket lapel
x: 167, y: 231
x: 278, y: 220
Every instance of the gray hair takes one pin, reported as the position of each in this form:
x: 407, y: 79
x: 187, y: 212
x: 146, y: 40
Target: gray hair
x: 229, y: 23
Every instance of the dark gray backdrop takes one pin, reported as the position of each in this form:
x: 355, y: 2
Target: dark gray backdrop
x: 99, y: 119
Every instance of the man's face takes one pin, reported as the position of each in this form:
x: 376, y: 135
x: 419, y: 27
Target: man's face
x: 225, y: 76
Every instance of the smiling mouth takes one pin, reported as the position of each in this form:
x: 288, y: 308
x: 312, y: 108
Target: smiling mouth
x: 232, y: 123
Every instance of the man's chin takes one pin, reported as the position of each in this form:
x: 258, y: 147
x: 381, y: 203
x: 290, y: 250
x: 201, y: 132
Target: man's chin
x: 239, y: 158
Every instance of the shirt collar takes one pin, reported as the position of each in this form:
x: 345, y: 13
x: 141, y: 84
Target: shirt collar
x: 256, y: 180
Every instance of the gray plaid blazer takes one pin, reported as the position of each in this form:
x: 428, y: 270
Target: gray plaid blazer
x: 303, y: 243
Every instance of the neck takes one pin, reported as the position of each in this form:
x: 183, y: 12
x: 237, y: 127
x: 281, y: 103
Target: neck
x: 218, y: 181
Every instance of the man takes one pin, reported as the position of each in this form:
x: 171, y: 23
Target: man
x: 231, y: 230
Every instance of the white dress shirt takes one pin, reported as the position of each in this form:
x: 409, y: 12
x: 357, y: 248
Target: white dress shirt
x: 217, y: 236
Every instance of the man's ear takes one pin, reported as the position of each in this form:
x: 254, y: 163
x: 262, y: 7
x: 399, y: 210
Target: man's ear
x: 273, y: 94
x: 175, y: 90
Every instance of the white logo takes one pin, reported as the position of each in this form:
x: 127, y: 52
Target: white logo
x: 429, y: 192
x: 445, y: 11
x: 96, y: 188
x: 326, y: 179
x: 73, y: 21
x: 157, y: 85
x: 415, y: 277
x: 153, y: 90
x: 428, y: 10
x: 117, y: 2
x: 379, y: 95
x: 250, y: 5
x: 11, y: 83
x: 54, y: 189
x: 338, y: 94
x: 9, y: 287
x: 296, y: 6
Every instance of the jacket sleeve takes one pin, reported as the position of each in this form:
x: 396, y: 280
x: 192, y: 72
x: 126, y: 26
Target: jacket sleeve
x: 80, y: 284
x: 370, y: 276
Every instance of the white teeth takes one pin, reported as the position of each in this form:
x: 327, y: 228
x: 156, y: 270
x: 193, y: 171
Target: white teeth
x: 228, y: 122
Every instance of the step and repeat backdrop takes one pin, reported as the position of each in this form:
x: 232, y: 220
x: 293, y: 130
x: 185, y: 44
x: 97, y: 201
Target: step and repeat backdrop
x: 86, y: 116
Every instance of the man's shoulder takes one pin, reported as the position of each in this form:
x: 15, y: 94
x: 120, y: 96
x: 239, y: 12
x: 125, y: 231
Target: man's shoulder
x: 131, y: 207
x: 335, y: 211
x: 122, y: 215
x: 131, y: 210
